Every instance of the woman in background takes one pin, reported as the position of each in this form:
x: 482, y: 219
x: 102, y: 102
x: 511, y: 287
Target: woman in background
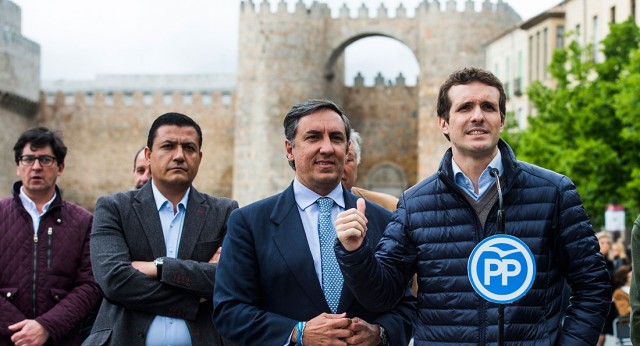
x: 622, y: 285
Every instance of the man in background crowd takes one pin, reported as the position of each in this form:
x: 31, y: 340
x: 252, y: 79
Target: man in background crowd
x: 141, y: 171
x: 46, y: 284
x: 354, y: 156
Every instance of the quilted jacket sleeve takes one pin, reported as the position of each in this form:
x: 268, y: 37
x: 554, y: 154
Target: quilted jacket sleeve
x: 379, y: 279
x: 585, y: 270
x: 9, y: 315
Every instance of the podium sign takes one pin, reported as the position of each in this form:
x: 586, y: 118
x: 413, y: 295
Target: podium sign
x: 501, y: 269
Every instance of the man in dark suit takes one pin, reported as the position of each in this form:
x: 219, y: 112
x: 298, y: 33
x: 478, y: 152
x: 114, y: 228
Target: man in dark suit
x: 154, y: 250
x: 276, y: 282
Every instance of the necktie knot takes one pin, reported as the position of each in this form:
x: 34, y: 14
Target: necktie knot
x: 325, y: 204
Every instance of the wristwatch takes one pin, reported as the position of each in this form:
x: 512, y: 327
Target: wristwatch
x: 384, y: 338
x: 158, y: 262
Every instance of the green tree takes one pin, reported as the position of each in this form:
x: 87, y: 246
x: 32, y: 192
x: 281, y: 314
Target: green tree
x: 585, y: 128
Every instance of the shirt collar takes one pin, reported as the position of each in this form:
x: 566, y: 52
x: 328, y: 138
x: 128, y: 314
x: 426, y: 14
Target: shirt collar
x: 305, y: 197
x: 160, y: 199
x: 495, y: 163
x: 28, y: 203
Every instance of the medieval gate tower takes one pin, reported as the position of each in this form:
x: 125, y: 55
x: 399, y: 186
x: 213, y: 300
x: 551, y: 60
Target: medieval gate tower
x: 289, y: 57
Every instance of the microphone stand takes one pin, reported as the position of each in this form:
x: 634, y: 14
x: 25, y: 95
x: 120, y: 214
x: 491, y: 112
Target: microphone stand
x: 500, y: 223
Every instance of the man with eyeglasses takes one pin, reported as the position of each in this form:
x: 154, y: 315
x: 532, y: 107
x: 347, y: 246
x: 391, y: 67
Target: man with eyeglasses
x: 47, y: 287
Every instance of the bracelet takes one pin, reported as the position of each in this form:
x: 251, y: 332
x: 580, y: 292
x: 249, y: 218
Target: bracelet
x: 300, y: 328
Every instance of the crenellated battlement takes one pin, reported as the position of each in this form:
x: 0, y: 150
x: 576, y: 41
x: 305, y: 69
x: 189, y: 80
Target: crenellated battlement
x: 137, y: 99
x: 426, y: 7
x: 208, y: 90
x: 381, y: 82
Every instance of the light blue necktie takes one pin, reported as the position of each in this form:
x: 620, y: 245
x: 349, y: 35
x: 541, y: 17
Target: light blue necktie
x: 331, y: 275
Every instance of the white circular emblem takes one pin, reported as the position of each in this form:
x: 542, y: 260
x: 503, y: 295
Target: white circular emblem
x: 501, y: 268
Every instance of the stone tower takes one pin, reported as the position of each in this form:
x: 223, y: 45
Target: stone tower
x: 288, y: 57
x: 19, y: 87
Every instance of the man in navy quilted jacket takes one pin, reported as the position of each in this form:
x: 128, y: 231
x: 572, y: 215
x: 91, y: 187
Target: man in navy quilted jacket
x: 46, y: 284
x: 443, y: 218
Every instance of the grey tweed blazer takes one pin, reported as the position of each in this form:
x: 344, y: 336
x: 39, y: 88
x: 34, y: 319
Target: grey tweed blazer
x: 126, y: 228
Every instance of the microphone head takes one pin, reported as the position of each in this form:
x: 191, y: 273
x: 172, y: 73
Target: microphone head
x: 494, y: 172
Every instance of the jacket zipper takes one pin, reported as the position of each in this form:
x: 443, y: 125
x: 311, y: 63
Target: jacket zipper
x: 35, y: 270
x: 50, y: 236
x: 480, y: 234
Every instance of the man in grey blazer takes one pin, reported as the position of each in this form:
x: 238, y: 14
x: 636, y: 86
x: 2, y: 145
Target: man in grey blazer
x: 154, y: 251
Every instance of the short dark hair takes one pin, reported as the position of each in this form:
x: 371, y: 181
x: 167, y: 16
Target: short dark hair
x: 38, y: 138
x: 620, y: 275
x: 292, y: 119
x: 135, y: 158
x: 176, y: 119
x: 465, y: 76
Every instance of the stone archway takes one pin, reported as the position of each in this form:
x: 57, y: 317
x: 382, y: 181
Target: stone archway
x: 289, y: 57
x: 387, y: 177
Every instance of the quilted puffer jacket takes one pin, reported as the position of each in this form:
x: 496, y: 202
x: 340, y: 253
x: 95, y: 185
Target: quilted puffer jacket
x: 47, y: 278
x: 433, y: 233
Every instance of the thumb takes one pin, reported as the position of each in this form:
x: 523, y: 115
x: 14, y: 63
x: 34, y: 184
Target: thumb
x: 18, y: 325
x: 361, y: 205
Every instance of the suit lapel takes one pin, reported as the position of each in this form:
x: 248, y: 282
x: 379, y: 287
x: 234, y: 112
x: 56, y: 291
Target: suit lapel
x: 291, y: 241
x: 194, y: 220
x: 145, y: 207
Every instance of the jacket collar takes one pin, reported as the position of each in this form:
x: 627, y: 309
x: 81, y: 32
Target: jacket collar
x: 194, y: 221
x: 509, y: 164
x: 57, y: 202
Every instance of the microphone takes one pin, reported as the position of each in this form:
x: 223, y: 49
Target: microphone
x: 500, y: 220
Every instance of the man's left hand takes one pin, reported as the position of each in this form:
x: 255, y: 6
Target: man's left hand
x: 28, y: 333
x: 364, y: 334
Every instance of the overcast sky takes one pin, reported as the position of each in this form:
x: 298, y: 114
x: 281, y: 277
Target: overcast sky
x: 82, y: 38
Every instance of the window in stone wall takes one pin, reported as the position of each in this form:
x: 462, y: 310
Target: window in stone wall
x: 168, y: 98
x: 128, y: 98
x: 226, y: 99
x: 88, y: 98
x: 187, y: 98
x: 388, y: 178
x: 147, y: 98
x: 69, y: 99
x: 206, y: 98
x: 108, y: 99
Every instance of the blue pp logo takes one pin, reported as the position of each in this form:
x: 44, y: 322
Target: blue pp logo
x: 501, y: 269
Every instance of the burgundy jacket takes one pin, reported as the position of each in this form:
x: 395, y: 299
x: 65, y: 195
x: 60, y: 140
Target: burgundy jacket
x: 47, y: 278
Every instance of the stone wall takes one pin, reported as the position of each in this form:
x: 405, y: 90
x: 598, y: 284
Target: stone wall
x: 104, y: 131
x: 386, y: 116
x: 11, y: 125
x: 288, y: 57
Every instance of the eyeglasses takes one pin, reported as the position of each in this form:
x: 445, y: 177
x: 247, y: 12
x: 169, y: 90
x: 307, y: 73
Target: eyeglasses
x: 45, y: 160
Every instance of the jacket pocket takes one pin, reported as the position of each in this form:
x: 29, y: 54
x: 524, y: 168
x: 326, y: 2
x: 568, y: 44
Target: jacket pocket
x: 58, y: 294
x: 98, y: 338
x: 8, y: 292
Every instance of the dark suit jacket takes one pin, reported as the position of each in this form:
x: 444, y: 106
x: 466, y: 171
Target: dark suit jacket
x: 266, y: 281
x: 126, y: 228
